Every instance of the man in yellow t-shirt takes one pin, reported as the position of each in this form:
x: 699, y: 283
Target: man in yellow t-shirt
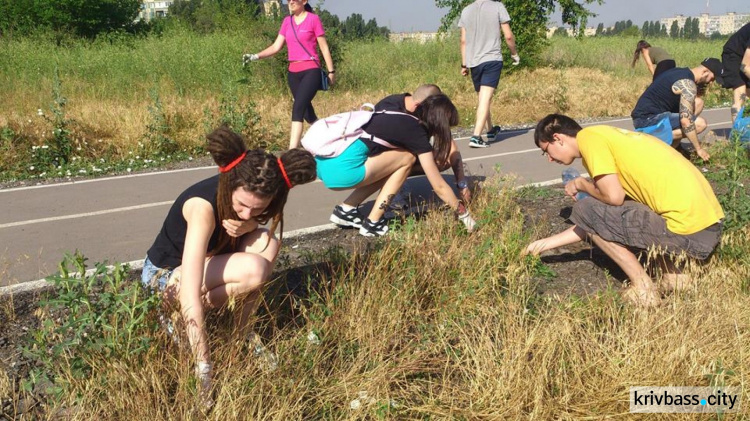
x: 644, y: 194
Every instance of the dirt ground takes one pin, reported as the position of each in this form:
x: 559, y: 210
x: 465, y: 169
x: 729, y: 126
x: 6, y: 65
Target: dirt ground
x: 575, y: 270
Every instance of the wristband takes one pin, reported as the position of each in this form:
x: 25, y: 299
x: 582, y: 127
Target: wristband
x: 462, y: 184
x: 332, y: 71
x: 463, y: 66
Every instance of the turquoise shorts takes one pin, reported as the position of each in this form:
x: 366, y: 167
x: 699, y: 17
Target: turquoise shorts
x: 346, y: 170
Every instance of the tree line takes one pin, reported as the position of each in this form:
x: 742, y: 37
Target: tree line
x: 93, y: 18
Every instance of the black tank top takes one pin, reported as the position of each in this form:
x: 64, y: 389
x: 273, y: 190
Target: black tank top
x: 658, y: 97
x: 166, y: 252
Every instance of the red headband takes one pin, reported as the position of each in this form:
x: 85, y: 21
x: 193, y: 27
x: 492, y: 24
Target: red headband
x: 283, y: 172
x: 233, y: 164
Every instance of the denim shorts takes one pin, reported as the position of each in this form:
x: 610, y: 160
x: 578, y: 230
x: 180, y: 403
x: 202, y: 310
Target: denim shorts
x: 486, y: 74
x: 346, y: 170
x: 634, y: 224
x: 155, y: 277
x: 674, y: 120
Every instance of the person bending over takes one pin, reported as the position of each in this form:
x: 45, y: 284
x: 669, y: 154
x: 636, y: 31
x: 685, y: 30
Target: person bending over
x: 368, y: 166
x: 211, y: 250
x: 656, y: 59
x: 736, y: 59
x: 643, y: 195
x: 408, y: 103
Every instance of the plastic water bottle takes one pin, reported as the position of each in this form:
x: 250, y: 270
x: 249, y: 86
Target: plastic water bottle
x: 568, y: 175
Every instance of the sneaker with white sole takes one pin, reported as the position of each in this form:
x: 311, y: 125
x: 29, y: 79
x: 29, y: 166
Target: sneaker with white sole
x: 494, y: 131
x: 350, y: 218
x: 478, y: 142
x: 374, y: 229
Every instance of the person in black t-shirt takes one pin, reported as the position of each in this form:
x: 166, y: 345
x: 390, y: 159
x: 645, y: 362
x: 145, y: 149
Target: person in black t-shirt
x: 408, y: 103
x: 368, y: 165
x: 210, y: 250
x: 674, y: 95
x: 736, y: 59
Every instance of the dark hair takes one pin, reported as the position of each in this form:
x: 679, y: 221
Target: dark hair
x: 308, y: 8
x: 438, y: 114
x: 638, y: 48
x: 552, y: 124
x: 258, y: 173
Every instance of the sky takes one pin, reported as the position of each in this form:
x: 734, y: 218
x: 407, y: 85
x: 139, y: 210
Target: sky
x: 423, y: 15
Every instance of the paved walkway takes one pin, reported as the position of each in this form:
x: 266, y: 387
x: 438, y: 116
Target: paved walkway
x: 117, y: 218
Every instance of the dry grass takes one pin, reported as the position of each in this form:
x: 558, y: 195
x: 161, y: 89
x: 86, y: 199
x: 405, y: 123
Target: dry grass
x: 442, y: 325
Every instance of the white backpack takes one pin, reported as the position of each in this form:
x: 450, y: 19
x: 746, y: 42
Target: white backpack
x: 329, y: 137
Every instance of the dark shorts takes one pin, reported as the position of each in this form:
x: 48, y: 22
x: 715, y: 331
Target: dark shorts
x: 486, y: 74
x: 674, y: 120
x: 733, y: 78
x: 635, y: 225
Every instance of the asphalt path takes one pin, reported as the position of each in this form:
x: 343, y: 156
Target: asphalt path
x: 116, y: 219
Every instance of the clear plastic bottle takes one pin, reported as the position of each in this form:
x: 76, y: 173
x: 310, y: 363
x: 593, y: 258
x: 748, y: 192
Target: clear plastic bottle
x: 568, y: 175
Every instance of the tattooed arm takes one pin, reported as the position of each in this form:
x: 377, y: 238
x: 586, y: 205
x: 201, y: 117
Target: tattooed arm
x: 687, y: 90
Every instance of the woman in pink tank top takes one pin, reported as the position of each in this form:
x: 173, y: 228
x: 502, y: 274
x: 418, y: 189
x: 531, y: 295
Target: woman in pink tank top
x: 301, y: 31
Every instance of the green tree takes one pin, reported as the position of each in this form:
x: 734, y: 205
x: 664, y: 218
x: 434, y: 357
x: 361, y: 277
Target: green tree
x: 674, y: 31
x: 560, y: 32
x: 646, y: 29
x: 528, y: 20
x: 86, y: 18
x: 600, y: 29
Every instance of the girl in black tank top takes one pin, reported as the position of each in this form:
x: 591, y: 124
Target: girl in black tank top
x: 211, y: 243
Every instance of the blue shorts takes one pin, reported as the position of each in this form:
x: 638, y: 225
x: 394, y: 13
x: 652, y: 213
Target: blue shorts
x: 674, y: 120
x: 346, y: 170
x: 486, y: 74
x: 154, y: 277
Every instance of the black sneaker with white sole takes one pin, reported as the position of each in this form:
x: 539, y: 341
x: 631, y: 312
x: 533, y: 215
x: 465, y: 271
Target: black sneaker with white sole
x: 374, y: 229
x: 478, y: 142
x: 494, y: 131
x: 350, y: 218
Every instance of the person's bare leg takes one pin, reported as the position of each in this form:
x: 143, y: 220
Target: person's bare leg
x: 483, y: 108
x: 673, y: 277
x: 642, y: 290
x: 379, y: 171
x: 295, y: 134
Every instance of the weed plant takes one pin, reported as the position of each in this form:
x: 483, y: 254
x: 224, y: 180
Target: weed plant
x: 89, y: 318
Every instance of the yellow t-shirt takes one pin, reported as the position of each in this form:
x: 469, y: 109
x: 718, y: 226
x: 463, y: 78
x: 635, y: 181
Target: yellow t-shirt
x: 653, y: 173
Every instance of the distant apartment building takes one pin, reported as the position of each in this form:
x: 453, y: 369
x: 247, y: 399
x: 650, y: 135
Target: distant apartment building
x: 273, y: 7
x: 710, y: 24
x: 419, y: 37
x: 151, y: 9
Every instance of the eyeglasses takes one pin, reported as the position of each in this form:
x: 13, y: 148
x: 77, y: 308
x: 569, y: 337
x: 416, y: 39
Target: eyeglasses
x: 544, y: 151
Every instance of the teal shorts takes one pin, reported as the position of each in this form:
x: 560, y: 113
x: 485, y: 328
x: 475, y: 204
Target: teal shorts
x: 346, y: 170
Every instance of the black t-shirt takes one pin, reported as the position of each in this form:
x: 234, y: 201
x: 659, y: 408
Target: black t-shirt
x: 738, y: 42
x: 166, y: 252
x: 395, y: 102
x: 400, y: 130
x: 659, y: 97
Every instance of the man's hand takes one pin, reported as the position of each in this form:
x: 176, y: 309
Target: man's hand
x: 516, y: 59
x: 465, y: 194
x: 237, y: 228
x: 571, y: 189
x: 535, y: 248
x: 703, y: 154
x: 464, y: 71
